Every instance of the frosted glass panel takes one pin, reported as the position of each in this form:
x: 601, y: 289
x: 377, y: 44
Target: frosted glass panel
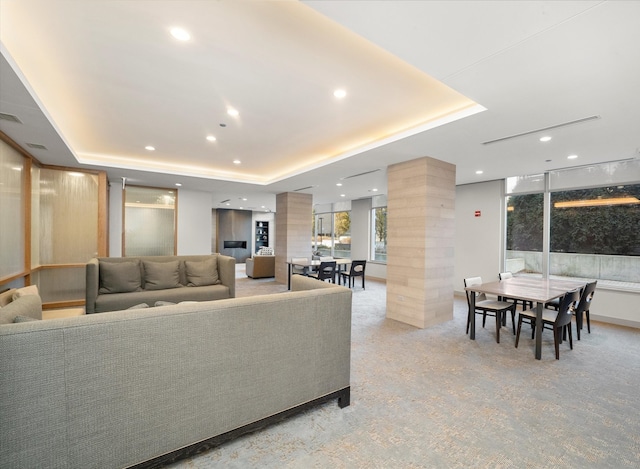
x: 149, y: 222
x: 68, y: 217
x: 11, y: 211
x: 61, y: 284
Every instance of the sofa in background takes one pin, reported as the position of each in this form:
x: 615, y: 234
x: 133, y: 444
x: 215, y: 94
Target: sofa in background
x: 116, y: 283
x: 146, y: 387
x: 20, y: 305
x: 260, y: 266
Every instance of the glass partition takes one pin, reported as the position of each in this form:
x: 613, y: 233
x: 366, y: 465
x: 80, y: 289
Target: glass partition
x: 524, y: 233
x: 12, y: 197
x: 149, y: 221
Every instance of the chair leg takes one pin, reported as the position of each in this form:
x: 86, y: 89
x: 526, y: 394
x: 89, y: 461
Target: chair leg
x: 588, y: 322
x: 570, y: 336
x: 498, y: 325
x: 518, y: 333
x: 468, y: 321
x: 513, y: 319
x: 556, y: 341
x: 363, y: 282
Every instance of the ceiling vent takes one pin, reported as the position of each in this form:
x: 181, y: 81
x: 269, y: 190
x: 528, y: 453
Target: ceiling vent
x: 9, y: 117
x: 564, y: 124
x: 358, y: 175
x: 225, y: 201
x: 303, y: 189
x: 36, y: 146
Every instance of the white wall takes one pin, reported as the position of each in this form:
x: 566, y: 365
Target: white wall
x: 478, y: 246
x: 194, y: 222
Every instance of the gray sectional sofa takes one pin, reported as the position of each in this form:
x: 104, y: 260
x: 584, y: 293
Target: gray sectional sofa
x: 116, y: 283
x: 142, y: 388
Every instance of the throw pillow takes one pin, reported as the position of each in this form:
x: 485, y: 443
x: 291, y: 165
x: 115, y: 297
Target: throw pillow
x: 200, y: 273
x: 139, y: 306
x: 161, y: 275
x: 120, y: 277
x: 30, y: 290
x: 24, y: 319
x: 6, y: 297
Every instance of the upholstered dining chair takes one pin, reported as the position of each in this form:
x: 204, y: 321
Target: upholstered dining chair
x: 583, y: 307
x: 558, y: 322
x: 525, y: 303
x: 356, y: 270
x: 326, y: 271
x: 486, y: 307
x: 299, y: 265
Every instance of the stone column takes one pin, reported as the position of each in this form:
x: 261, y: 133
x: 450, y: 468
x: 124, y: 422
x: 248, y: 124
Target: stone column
x: 293, y: 230
x: 420, y: 241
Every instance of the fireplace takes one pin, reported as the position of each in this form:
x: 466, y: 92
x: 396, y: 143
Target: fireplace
x: 235, y: 244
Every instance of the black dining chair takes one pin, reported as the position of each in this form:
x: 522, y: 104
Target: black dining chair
x: 559, y: 322
x: 583, y: 307
x: 326, y: 271
x: 488, y: 307
x: 356, y: 270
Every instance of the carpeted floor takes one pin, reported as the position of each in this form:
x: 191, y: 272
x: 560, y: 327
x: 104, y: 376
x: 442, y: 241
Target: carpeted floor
x: 435, y: 399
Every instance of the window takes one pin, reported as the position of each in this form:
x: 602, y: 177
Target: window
x: 379, y: 234
x: 149, y: 221
x: 581, y: 223
x: 595, y: 233
x: 332, y: 234
x: 524, y: 233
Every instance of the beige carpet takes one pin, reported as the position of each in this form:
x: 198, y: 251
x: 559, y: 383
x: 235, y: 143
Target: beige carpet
x: 435, y: 399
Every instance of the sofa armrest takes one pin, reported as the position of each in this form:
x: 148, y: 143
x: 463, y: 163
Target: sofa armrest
x: 92, y: 278
x: 227, y: 273
x: 249, y: 266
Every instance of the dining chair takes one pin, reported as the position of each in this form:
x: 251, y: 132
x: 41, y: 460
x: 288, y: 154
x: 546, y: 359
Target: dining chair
x: 486, y: 307
x: 326, y: 271
x: 525, y: 303
x: 356, y: 270
x: 583, y: 307
x: 298, y: 265
x: 559, y: 321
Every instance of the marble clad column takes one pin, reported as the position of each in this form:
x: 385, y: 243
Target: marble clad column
x: 420, y: 241
x: 293, y: 230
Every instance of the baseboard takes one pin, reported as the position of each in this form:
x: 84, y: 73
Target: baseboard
x: 344, y: 399
x: 616, y: 321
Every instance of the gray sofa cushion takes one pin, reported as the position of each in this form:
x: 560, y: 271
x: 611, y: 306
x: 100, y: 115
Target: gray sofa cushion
x: 161, y: 275
x: 28, y: 305
x: 200, y: 273
x: 120, y: 277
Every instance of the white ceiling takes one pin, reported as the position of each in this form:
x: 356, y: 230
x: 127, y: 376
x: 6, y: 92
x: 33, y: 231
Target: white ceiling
x: 108, y: 77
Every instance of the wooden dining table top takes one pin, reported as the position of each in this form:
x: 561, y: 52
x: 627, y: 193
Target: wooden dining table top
x: 536, y: 289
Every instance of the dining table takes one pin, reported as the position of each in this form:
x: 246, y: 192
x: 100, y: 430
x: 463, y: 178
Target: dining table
x: 534, y: 289
x: 341, y: 263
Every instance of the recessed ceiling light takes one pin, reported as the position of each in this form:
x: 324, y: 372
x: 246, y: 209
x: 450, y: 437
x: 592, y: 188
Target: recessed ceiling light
x: 339, y: 93
x: 572, y: 157
x: 479, y: 171
x: 178, y: 184
x: 546, y: 138
x: 374, y: 190
x: 237, y: 161
x: 150, y: 148
x: 339, y: 184
x: 244, y: 198
x: 343, y: 195
x: 180, y: 34
x: 232, y: 112
x: 227, y: 204
x: 211, y: 138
